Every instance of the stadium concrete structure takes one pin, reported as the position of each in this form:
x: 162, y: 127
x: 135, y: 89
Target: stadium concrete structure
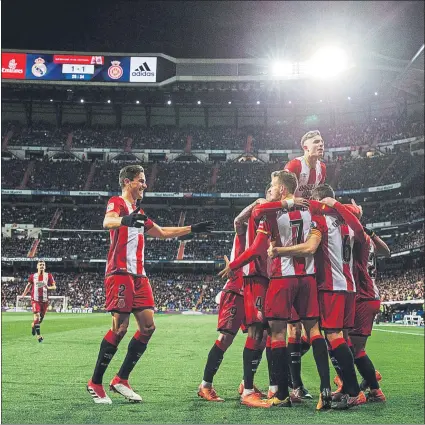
x: 189, y: 95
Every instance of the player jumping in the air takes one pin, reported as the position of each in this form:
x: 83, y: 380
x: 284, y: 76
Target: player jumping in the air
x: 310, y: 171
x: 39, y: 283
x: 127, y: 288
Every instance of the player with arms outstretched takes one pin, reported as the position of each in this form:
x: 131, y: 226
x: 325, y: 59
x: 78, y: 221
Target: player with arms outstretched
x: 126, y: 285
x: 39, y: 284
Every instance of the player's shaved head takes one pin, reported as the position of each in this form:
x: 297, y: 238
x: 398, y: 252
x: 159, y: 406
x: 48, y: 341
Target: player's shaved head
x: 129, y: 172
x: 322, y: 191
x: 287, y: 179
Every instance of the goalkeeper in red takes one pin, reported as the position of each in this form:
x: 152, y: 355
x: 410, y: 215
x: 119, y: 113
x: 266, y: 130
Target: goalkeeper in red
x: 127, y: 287
x: 39, y: 284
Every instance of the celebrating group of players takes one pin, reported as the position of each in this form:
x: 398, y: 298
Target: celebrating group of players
x: 300, y: 265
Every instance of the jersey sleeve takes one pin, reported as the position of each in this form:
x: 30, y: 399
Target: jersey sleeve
x: 148, y: 223
x: 51, y: 280
x: 264, y: 226
x: 268, y: 207
x: 323, y: 167
x: 318, y: 225
x: 115, y: 204
x: 294, y: 166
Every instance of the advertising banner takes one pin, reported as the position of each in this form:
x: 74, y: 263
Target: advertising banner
x: 13, y: 65
x: 143, y: 69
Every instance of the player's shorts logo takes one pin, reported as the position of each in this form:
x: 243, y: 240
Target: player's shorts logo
x: 115, y: 71
x: 39, y: 69
x: 121, y: 303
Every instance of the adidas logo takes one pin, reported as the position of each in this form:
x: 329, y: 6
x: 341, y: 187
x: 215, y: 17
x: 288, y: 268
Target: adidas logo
x: 143, y: 70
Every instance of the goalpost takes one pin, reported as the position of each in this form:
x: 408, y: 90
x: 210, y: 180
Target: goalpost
x: 56, y: 303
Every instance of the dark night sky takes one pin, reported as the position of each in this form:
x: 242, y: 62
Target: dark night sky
x: 213, y: 29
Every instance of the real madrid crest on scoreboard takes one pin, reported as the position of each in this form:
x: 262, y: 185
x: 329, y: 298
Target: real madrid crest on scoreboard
x: 86, y: 67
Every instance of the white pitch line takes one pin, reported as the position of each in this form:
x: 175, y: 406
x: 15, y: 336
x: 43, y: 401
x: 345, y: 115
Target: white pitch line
x: 398, y: 332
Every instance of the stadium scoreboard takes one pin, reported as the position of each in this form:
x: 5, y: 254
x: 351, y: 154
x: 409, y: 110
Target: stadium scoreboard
x: 96, y: 68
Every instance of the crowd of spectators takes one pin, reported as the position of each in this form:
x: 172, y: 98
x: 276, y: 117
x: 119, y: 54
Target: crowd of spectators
x: 90, y: 216
x: 172, y: 290
x: 397, y: 212
x: 198, y: 177
x: 401, y: 285
x: 182, y: 290
x: 95, y: 245
x: 15, y: 246
x: 407, y: 240
x: 280, y: 136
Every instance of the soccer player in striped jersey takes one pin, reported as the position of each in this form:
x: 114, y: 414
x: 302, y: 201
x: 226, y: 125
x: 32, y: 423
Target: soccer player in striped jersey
x: 310, y: 171
x: 231, y: 313
x: 39, y: 284
x: 367, y: 307
x: 127, y: 287
x: 332, y: 240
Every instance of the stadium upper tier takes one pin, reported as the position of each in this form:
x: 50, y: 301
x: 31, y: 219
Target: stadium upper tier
x: 199, y: 177
x: 90, y: 217
x: 284, y: 136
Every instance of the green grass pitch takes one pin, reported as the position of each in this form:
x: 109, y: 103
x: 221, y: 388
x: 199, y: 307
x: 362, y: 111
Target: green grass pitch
x: 45, y: 383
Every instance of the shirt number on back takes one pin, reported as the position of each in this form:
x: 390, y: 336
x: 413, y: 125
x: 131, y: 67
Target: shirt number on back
x: 297, y: 231
x: 346, y: 249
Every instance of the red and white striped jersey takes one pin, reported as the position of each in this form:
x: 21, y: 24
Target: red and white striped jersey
x: 236, y: 283
x: 365, y: 270
x: 308, y: 178
x: 261, y: 265
x: 334, y: 256
x: 39, y: 283
x: 293, y: 227
x: 127, y: 251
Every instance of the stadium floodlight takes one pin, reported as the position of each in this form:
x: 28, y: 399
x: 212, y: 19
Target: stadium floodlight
x: 229, y: 102
x: 199, y: 102
x: 328, y: 62
x: 109, y: 100
x: 82, y: 100
x: 258, y: 102
x: 51, y: 100
x: 168, y: 102
x: 376, y: 93
x: 320, y: 100
x: 282, y: 69
x: 349, y: 98
x: 289, y: 101
x: 137, y: 101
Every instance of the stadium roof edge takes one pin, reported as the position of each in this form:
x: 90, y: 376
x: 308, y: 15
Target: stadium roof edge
x: 72, y: 52
x: 171, y: 58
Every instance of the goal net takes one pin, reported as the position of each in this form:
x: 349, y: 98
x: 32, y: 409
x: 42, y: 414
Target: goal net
x: 56, y: 303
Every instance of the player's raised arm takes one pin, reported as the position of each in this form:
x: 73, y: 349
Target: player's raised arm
x: 242, y: 218
x: 381, y: 247
x: 175, y: 232
x: 348, y: 217
x: 259, y: 246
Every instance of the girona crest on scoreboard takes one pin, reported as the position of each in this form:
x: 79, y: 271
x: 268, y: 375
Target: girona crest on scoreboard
x: 115, y: 71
